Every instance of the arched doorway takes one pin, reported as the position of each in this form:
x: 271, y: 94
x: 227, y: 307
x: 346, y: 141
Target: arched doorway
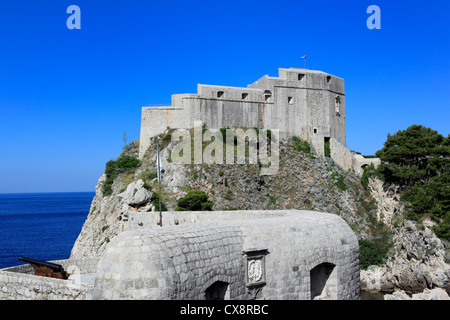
x: 324, y: 282
x: 218, y: 291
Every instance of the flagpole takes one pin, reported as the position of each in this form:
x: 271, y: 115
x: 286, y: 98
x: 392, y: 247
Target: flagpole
x: 158, y: 160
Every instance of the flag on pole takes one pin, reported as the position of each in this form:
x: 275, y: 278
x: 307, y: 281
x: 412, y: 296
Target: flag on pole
x: 304, y: 56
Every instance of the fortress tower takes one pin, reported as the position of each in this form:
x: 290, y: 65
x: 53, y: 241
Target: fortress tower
x: 299, y: 102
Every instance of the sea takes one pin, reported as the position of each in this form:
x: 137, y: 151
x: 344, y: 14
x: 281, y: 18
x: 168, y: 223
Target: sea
x: 42, y: 226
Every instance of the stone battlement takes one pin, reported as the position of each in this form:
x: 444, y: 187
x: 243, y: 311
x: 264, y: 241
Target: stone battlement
x: 300, y: 102
x: 305, y: 103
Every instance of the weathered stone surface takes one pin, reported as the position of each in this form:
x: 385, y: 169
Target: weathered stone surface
x: 427, y: 294
x: 417, y: 262
x: 136, y: 195
x: 182, y: 262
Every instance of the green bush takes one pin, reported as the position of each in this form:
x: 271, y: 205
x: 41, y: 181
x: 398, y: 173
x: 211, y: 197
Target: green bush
x: 273, y: 199
x: 195, y: 200
x: 369, y: 171
x: 371, y: 253
x: 114, y: 168
x: 229, y: 195
x: 155, y: 201
x: 147, y: 175
x: 340, y: 183
x: 301, y: 145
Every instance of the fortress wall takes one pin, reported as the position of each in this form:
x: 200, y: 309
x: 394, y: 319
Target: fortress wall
x: 20, y: 283
x: 141, y: 220
x: 286, y: 112
x: 337, y: 123
x: 154, y: 121
x: 305, y: 103
x: 359, y: 162
x: 341, y: 155
x: 173, y: 263
x: 285, y: 254
x: 301, y: 255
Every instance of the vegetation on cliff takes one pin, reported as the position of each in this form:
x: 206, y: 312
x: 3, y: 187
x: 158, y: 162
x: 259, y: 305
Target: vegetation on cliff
x: 113, y: 168
x: 418, y: 160
x: 194, y: 200
x: 304, y: 181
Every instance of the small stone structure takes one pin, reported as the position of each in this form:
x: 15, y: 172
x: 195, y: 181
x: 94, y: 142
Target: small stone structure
x: 283, y: 255
x: 305, y: 103
x: 20, y: 282
x: 262, y: 255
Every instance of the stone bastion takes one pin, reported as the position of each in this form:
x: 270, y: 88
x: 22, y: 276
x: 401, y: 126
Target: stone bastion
x: 278, y: 255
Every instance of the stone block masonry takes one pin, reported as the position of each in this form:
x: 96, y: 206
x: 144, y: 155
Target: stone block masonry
x: 309, y: 255
x: 300, y: 102
x: 20, y: 283
x: 305, y: 103
x: 279, y: 255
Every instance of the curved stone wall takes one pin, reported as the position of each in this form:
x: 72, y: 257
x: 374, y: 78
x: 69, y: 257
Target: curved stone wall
x: 291, y: 255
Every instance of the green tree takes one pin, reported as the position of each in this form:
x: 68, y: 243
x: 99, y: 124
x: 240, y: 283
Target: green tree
x: 371, y: 253
x: 195, y: 200
x: 412, y: 155
x: 418, y: 159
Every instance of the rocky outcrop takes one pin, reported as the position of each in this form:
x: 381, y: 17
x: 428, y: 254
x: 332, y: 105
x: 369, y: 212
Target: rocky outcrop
x: 389, y: 206
x: 109, y: 215
x: 304, y: 181
x: 416, y: 261
x: 427, y: 294
x: 418, y: 258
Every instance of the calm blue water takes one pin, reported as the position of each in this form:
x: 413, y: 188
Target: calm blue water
x: 41, y: 226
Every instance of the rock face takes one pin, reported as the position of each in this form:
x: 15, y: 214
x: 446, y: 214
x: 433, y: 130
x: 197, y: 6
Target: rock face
x: 418, y: 259
x: 109, y: 215
x: 389, y: 206
x: 427, y: 294
x: 303, y: 182
x: 416, y: 262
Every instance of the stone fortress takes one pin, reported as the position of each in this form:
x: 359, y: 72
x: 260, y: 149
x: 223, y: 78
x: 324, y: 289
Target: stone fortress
x: 281, y: 254
x: 299, y: 102
x: 215, y: 255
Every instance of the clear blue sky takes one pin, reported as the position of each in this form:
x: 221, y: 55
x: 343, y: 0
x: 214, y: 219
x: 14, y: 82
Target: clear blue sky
x: 67, y: 96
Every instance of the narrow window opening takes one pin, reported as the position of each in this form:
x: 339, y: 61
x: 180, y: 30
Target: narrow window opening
x: 267, y: 97
x: 315, y: 130
x: 219, y: 94
x: 328, y: 79
x: 290, y: 100
x: 300, y: 76
x: 327, y: 148
x: 244, y: 96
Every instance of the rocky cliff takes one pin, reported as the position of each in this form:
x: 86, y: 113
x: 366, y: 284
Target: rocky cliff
x: 417, y: 259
